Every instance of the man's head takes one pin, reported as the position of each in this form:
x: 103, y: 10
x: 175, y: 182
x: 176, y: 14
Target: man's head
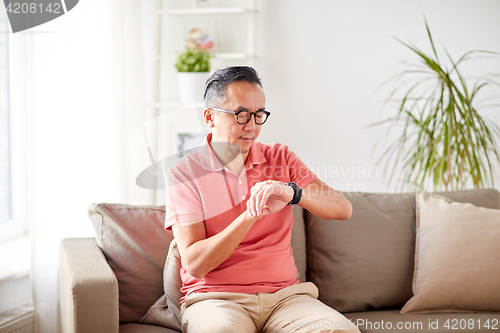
x: 234, y: 89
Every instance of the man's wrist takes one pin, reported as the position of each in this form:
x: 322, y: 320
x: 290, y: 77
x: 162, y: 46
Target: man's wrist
x: 290, y: 193
x: 297, y: 193
x: 251, y: 218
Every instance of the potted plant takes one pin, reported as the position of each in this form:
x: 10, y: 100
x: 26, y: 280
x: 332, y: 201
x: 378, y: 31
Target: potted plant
x: 193, y: 66
x: 445, y: 141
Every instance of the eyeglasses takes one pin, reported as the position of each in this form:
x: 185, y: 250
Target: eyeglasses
x: 244, y: 116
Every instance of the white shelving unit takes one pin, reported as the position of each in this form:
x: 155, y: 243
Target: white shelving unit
x: 227, y: 24
x: 231, y: 24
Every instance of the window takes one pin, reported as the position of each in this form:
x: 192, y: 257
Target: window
x: 5, y: 162
x: 13, y: 140
x: 14, y: 136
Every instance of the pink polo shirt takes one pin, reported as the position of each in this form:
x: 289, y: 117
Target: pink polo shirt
x: 200, y: 188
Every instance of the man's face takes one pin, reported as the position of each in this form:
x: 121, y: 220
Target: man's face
x: 241, y: 96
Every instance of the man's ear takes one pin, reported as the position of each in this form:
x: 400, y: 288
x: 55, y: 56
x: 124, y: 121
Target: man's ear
x: 209, y: 117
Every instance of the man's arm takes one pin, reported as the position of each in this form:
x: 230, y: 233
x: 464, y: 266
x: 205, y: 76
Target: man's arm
x: 317, y: 197
x: 199, y: 254
x: 323, y: 201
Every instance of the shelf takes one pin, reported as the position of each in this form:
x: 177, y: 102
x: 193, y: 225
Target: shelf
x: 205, y: 11
x: 223, y: 56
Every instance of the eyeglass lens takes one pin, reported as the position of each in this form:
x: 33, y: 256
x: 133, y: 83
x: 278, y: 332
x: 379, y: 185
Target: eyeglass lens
x: 244, y: 117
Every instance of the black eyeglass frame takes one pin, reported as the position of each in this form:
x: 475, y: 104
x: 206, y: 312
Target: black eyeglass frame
x: 236, y: 113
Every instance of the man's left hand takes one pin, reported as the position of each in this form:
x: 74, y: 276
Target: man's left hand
x: 268, y: 197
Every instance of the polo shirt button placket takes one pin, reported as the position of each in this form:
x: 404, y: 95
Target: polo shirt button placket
x: 241, y: 182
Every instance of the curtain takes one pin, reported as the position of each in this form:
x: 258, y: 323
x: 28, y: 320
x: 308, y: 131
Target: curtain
x: 90, y: 73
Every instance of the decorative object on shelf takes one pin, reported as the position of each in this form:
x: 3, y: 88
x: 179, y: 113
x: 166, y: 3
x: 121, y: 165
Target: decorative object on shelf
x: 445, y: 141
x: 198, y: 39
x: 193, y: 60
x: 193, y: 66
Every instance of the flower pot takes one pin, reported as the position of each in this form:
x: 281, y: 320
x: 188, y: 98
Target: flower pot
x: 192, y: 85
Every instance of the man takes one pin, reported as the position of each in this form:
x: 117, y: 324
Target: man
x: 228, y: 204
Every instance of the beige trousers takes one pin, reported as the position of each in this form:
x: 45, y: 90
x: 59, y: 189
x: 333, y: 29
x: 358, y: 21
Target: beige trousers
x: 292, y: 309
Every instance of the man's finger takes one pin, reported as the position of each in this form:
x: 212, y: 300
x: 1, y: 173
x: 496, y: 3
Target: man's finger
x: 266, y: 194
x: 259, y: 196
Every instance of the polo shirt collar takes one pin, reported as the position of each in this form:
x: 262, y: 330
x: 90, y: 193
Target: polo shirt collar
x: 255, y: 156
x: 208, y: 159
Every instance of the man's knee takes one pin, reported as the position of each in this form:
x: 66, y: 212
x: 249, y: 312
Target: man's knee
x: 216, y: 316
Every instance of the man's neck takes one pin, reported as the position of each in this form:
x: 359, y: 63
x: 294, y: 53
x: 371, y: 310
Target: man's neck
x: 237, y: 165
x: 229, y: 156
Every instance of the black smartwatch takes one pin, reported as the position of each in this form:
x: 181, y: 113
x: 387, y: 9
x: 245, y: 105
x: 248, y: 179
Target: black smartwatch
x: 297, y: 193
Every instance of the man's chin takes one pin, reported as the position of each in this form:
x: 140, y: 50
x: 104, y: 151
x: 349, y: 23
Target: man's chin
x: 246, y: 147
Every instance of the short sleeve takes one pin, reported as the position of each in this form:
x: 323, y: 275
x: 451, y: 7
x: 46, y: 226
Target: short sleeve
x: 182, y: 200
x: 300, y: 174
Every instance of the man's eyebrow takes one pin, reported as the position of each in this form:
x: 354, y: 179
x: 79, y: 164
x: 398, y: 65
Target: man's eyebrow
x: 242, y: 108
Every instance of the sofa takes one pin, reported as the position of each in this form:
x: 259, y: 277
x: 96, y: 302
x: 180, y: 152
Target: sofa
x: 397, y: 265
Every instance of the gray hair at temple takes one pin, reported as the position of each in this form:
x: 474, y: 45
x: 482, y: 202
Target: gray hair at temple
x: 215, y: 87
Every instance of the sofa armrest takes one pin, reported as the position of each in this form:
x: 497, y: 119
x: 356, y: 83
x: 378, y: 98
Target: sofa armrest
x: 88, y: 288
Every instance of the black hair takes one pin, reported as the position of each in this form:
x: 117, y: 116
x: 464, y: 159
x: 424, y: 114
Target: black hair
x: 216, y: 85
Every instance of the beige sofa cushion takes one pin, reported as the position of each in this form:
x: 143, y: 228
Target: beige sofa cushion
x: 457, y: 260
x: 135, y: 245
x: 367, y: 261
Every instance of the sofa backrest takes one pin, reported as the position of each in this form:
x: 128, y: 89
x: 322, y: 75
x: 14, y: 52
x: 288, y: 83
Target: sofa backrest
x: 362, y: 263
x: 367, y: 262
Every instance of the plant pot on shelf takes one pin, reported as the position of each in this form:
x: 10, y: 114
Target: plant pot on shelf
x: 192, y: 86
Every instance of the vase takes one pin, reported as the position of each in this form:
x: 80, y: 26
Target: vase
x: 192, y: 86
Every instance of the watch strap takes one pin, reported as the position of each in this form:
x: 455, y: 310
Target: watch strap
x: 297, y: 193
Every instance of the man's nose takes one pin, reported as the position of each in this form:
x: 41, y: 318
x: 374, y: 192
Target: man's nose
x: 250, y: 126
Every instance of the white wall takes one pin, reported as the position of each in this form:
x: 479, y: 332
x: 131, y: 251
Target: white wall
x: 322, y: 63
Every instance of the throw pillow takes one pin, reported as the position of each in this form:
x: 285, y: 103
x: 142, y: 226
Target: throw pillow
x: 135, y: 245
x: 166, y: 311
x: 367, y: 261
x: 457, y: 265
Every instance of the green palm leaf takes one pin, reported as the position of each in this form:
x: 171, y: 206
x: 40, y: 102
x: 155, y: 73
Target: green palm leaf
x: 444, y: 142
